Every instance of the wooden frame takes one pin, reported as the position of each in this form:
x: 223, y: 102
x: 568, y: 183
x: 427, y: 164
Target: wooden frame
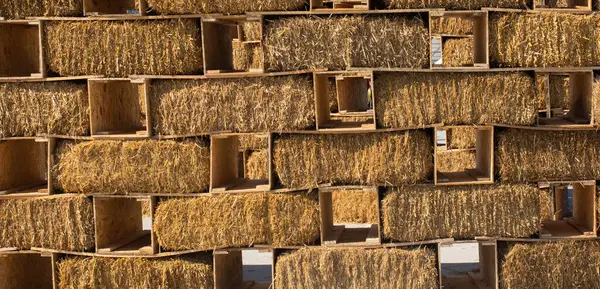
x: 579, y: 113
x: 582, y: 221
x: 483, y: 173
x: 26, y: 166
x: 228, y: 270
x: 340, y: 5
x: 574, y: 6
x: 21, y: 53
x: 486, y: 278
x: 114, y: 7
x: 27, y: 269
x: 119, y: 226
x: 352, y: 97
x: 333, y: 233
x: 119, y: 108
x: 226, y: 162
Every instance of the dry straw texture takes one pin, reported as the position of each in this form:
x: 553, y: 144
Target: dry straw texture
x: 414, y: 213
x: 20, y: 9
x: 25, y: 270
x: 251, y: 142
x: 357, y: 269
x: 62, y: 223
x: 39, y: 108
x: 543, y: 88
x: 565, y: 264
x: 418, y: 99
x: 456, y: 4
x: 185, y: 107
x: 123, y: 48
x: 456, y: 161
x: 559, y: 91
x: 458, y: 52
x: 355, y: 206
x: 596, y: 101
x: 452, y: 25
x: 544, y: 40
x: 223, y: 221
x: 530, y: 155
x: 257, y: 165
x: 223, y: 6
x: 305, y: 161
x: 122, y: 167
x: 338, y: 42
x: 552, y: 3
x: 134, y: 273
x: 461, y: 137
x: 246, y: 56
x: 252, y: 31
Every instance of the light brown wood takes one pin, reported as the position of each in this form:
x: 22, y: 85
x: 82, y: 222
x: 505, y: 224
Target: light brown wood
x: 24, y: 165
x: 20, y: 50
x: 25, y: 270
x: 228, y: 270
x: 488, y: 263
x: 584, y: 208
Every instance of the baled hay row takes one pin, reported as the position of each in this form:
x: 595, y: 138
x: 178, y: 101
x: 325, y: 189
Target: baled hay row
x: 252, y: 31
x: 553, y: 40
x: 123, y: 48
x: 529, y: 155
x: 251, y: 142
x: 559, y: 91
x: 452, y: 25
x: 257, y: 165
x: 357, y: 268
x: 461, y: 137
x: 355, y: 206
x: 294, y: 219
x: 223, y: 6
x: 134, y: 273
x: 297, y: 43
x: 123, y: 167
x: 20, y: 9
x: 456, y: 4
x: 458, y: 52
x: 246, y: 56
x: 62, y: 223
x: 418, y: 99
x: 414, y: 213
x: 596, y: 101
x: 39, y: 108
x: 542, y: 83
x: 564, y: 264
x: 456, y: 161
x: 25, y: 270
x: 184, y: 107
x: 305, y: 161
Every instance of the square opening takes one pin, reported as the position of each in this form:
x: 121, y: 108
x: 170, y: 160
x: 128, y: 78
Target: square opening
x: 469, y: 265
x: 583, y: 5
x: 464, y: 155
x: 113, y: 7
x: 24, y: 168
x: 118, y: 107
x: 339, y: 4
x: 565, y: 99
x: 243, y: 268
x: 124, y: 225
x: 349, y: 216
x: 344, y: 101
x: 573, y: 209
x: 232, y: 44
x: 237, y: 167
x: 459, y: 40
x: 25, y: 270
x: 20, y: 52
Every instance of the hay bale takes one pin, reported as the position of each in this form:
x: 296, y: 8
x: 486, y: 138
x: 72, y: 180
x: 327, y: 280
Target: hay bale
x: 257, y: 165
x: 456, y: 161
x: 452, y: 25
x: 123, y: 48
x: 41, y: 108
x: 338, y: 42
x: 418, y: 99
x: 542, y: 84
x: 461, y: 137
x: 559, y: 91
x: 58, y: 222
x: 564, y: 264
x: 246, y: 56
x: 355, y: 207
x: 252, y: 30
x: 458, y: 52
x: 332, y: 92
x: 596, y: 101
x: 265, y: 104
x: 223, y: 6
x: 179, y: 272
x: 531, y: 155
x: 294, y: 219
x: 251, y: 142
x: 553, y: 40
x: 553, y: 3
x: 123, y: 167
x: 355, y: 268
x: 456, y: 4
x: 307, y: 160
x: 21, y: 9
x: 414, y: 213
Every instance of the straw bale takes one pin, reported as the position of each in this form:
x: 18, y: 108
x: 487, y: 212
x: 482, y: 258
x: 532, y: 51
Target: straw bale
x: 456, y: 4
x: 257, y: 165
x: 338, y: 42
x: 452, y: 25
x: 146, y: 209
x: 414, y: 213
x: 559, y: 91
x: 294, y: 218
x: 456, y: 161
x: 542, y: 83
x: 179, y: 107
x: 355, y: 206
x: 246, y: 55
x: 564, y: 264
x: 357, y: 268
x: 25, y: 270
x: 530, y: 155
x: 544, y: 40
x: 305, y: 161
x: 332, y: 92
x: 62, y: 223
x: 223, y: 6
x: 123, y: 48
x: 461, y: 137
x: 251, y: 142
x: 40, y: 108
x: 123, y: 167
x: 135, y: 273
x: 458, y: 52
x: 21, y: 9
x: 418, y: 99
x: 596, y: 101
x: 553, y: 3
x: 252, y: 31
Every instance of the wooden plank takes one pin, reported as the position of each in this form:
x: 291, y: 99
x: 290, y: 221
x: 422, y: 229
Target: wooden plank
x: 223, y: 160
x: 118, y: 221
x: 228, y: 269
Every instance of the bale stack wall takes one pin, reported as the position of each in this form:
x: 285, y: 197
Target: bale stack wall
x: 21, y: 9
x: 223, y: 6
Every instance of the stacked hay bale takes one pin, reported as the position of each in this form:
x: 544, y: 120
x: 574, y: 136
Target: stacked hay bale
x: 19, y: 9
